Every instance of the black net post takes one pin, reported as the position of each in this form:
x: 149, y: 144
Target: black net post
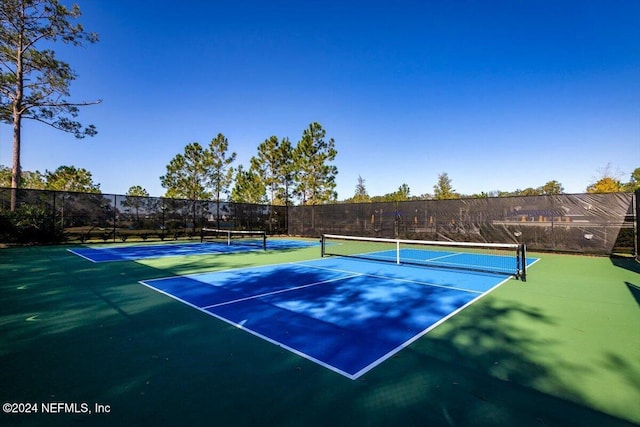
x: 522, y: 262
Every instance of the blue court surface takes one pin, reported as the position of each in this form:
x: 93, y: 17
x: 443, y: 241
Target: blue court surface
x: 503, y: 264
x: 347, y: 315
x: 137, y: 252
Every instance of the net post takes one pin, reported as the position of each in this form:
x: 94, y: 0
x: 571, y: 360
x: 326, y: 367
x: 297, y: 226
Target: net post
x: 522, y: 262
x: 322, y: 242
x: 398, y: 252
x: 264, y: 241
x: 201, y: 234
x: 228, y: 237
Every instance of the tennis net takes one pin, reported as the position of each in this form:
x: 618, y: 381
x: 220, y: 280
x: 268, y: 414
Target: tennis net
x: 502, y: 258
x: 234, y: 237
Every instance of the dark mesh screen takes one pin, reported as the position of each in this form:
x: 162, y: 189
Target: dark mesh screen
x: 584, y: 223
x: 589, y: 223
x: 636, y: 246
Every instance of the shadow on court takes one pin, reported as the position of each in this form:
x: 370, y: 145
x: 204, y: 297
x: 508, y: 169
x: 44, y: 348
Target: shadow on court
x: 635, y: 291
x: 73, y: 331
x: 628, y: 263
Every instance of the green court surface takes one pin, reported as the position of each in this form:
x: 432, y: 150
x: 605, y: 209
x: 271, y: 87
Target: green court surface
x: 561, y: 349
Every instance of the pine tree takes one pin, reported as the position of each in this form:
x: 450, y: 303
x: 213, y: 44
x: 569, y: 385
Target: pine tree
x: 70, y: 178
x: 34, y: 84
x: 312, y: 157
x: 361, y: 194
x: 187, y: 174
x: 249, y: 187
x: 443, y: 189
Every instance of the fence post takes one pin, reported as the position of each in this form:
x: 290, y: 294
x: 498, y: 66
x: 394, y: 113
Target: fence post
x: 636, y: 223
x: 115, y: 215
x: 53, y: 218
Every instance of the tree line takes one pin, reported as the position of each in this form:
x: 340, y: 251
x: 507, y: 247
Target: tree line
x: 274, y: 176
x: 608, y: 182
x: 280, y: 173
x: 64, y: 178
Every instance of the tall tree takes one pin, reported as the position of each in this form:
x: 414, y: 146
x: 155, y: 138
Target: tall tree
x: 608, y: 182
x: 187, y: 174
x: 137, y: 191
x: 34, y: 84
x: 220, y: 171
x: 443, y: 189
x: 267, y: 164
x: 634, y: 182
x: 5, y: 176
x: 286, y: 173
x: 70, y: 178
x: 316, y: 176
x: 249, y: 187
x: 361, y: 195
x: 403, y: 193
x: 136, y: 198
x: 400, y: 195
x: 29, y: 179
x: 552, y: 187
x: 33, y: 179
x: 273, y: 166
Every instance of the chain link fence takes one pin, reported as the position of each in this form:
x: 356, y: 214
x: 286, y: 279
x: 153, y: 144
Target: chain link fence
x: 579, y: 223
x: 44, y: 217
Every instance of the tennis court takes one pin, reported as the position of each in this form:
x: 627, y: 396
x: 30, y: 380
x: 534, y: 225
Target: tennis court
x: 285, y: 337
x: 112, y: 253
x: 340, y: 313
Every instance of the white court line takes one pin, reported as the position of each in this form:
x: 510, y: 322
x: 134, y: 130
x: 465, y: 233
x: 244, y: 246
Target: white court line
x: 422, y: 333
x: 211, y: 249
x: 255, y: 333
x: 81, y: 256
x: 376, y: 276
x: 266, y: 294
x: 223, y: 271
x: 350, y: 274
x: 445, y: 256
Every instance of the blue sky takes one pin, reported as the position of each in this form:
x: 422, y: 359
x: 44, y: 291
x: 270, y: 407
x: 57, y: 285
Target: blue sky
x: 501, y: 95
